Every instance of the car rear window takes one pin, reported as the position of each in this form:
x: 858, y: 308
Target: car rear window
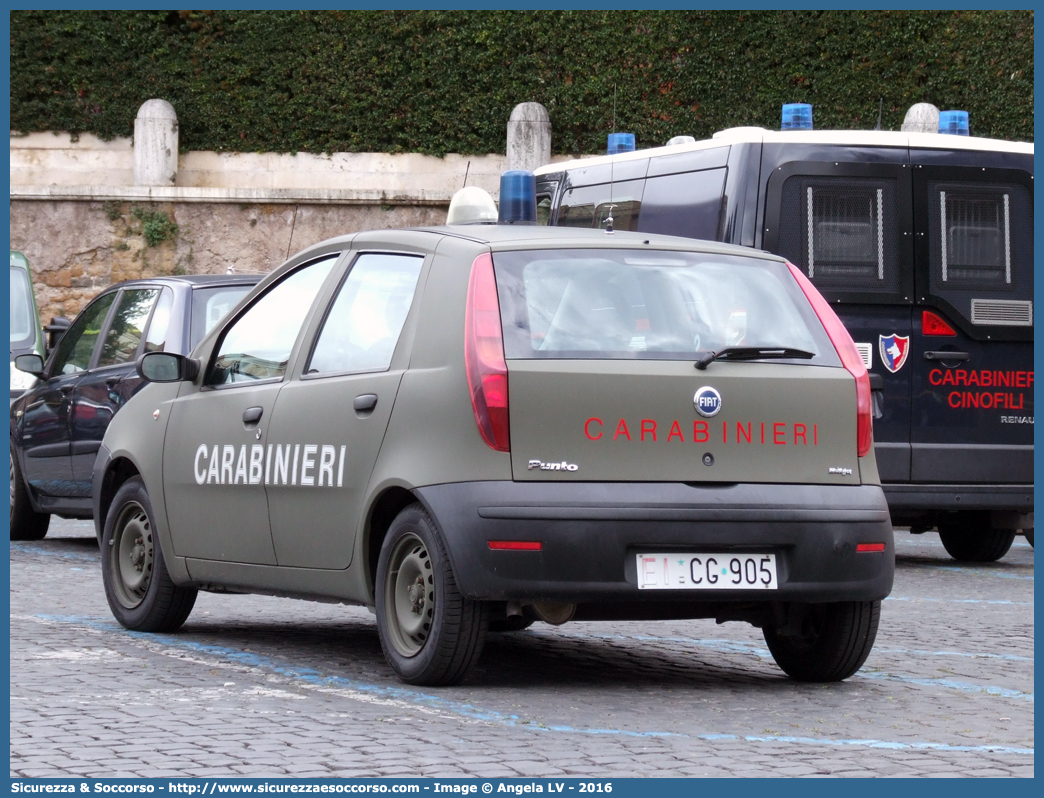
x: 638, y: 304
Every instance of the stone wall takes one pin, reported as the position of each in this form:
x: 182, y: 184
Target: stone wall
x: 76, y: 213
x: 76, y: 248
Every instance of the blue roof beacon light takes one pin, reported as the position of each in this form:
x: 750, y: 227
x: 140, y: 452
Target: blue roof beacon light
x: 796, y: 116
x: 620, y: 142
x: 517, y: 197
x: 954, y: 123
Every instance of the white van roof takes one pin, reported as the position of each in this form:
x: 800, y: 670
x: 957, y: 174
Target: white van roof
x: 846, y: 138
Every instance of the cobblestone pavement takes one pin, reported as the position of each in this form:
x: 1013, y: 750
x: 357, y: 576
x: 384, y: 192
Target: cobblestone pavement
x: 260, y: 686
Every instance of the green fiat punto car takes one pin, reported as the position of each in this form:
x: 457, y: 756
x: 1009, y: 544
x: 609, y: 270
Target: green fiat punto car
x: 472, y: 428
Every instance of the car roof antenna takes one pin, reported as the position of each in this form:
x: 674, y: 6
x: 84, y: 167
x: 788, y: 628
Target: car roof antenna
x: 880, y: 105
x: 609, y: 218
x: 466, y: 170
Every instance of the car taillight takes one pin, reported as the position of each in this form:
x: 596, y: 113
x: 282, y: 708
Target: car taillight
x: 850, y: 359
x: 933, y: 324
x: 484, y: 355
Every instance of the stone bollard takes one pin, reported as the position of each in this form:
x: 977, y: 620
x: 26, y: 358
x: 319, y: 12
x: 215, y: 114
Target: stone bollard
x: 528, y: 137
x: 921, y: 118
x: 155, y: 144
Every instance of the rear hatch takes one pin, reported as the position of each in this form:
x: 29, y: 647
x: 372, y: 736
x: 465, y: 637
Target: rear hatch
x: 601, y: 348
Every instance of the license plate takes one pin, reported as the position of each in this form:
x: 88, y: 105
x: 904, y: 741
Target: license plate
x: 707, y: 571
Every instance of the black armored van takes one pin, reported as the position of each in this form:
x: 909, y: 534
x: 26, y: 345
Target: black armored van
x: 923, y: 243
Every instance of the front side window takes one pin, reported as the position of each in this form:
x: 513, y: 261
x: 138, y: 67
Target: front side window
x: 619, y: 304
x: 363, y: 326
x: 257, y: 345
x: 128, y: 324
x: 22, y: 315
x: 75, y: 348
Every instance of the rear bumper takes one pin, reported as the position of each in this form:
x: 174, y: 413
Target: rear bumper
x: 903, y: 498
x: 591, y: 533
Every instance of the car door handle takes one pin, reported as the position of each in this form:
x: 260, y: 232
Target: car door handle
x: 946, y: 356
x: 364, y: 403
x: 252, y: 415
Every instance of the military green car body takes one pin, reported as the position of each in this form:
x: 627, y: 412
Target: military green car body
x: 784, y: 443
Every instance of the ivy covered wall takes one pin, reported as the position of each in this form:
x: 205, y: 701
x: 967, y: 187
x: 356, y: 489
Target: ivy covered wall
x: 437, y: 82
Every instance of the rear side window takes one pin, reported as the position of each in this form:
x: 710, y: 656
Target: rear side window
x: 978, y: 232
x: 590, y: 206
x: 620, y: 304
x: 127, y: 325
x: 687, y: 204
x: 156, y: 339
x: 842, y: 231
x: 209, y: 306
x: 363, y: 326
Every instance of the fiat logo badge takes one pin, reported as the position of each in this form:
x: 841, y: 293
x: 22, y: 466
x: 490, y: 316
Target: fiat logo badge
x: 707, y: 401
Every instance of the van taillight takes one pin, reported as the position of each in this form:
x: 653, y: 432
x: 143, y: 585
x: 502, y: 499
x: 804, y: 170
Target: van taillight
x: 933, y: 324
x: 484, y: 355
x: 850, y: 359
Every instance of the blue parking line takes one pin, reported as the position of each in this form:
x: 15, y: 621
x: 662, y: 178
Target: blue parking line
x: 978, y: 571
x: 470, y: 712
x: 29, y: 548
x: 950, y: 684
x: 962, y: 601
x: 740, y: 647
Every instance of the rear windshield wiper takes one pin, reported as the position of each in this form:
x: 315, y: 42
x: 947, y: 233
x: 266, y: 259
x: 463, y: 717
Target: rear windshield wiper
x: 752, y: 353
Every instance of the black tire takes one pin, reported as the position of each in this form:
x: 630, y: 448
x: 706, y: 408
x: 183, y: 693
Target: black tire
x: 430, y: 634
x: 512, y: 623
x: 26, y: 523
x: 138, y: 587
x: 975, y: 542
x: 836, y: 640
x: 1028, y: 534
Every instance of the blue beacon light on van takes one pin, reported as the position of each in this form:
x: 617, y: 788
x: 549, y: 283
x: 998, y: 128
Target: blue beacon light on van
x: 954, y: 123
x: 517, y: 197
x: 620, y: 142
x: 796, y: 116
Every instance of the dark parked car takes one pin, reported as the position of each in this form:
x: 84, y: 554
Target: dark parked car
x: 57, y: 426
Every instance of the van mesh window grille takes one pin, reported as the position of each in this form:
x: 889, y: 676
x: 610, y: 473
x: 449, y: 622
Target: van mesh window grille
x: 977, y: 235
x: 842, y: 231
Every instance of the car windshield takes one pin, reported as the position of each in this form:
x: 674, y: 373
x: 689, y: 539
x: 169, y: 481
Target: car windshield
x: 619, y: 304
x: 23, y: 322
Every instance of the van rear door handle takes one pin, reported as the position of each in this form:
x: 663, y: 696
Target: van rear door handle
x: 364, y: 403
x: 252, y: 415
x: 946, y: 356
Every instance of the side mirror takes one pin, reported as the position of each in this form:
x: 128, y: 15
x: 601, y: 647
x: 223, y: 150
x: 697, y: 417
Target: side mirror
x: 166, y: 367
x: 32, y: 364
x: 55, y: 330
